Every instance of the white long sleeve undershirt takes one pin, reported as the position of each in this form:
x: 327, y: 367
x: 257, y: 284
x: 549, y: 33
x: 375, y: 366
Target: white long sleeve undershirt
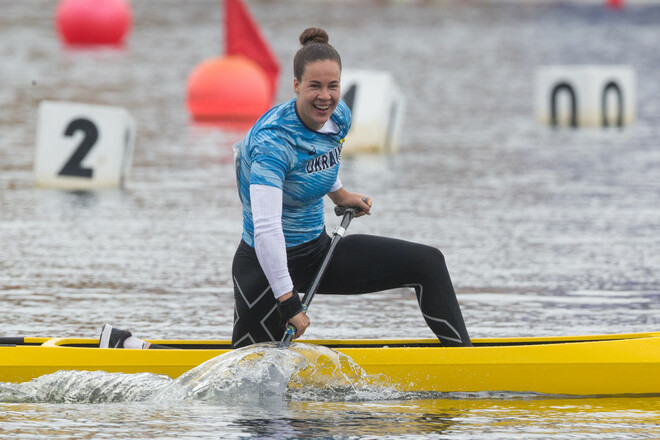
x: 269, y: 243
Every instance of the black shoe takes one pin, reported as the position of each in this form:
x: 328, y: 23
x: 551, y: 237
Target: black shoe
x: 113, y: 337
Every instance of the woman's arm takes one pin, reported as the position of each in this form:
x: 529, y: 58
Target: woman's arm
x: 270, y: 246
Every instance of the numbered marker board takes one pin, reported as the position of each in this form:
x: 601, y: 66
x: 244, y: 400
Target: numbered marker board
x: 377, y: 106
x: 82, y: 146
x: 585, y: 96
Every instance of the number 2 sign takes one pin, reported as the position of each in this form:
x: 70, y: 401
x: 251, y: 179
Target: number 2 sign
x: 82, y: 146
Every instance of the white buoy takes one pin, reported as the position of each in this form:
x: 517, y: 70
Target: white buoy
x: 585, y: 96
x: 377, y: 106
x: 82, y: 146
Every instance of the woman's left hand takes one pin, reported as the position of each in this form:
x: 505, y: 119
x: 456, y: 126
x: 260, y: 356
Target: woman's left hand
x: 341, y: 197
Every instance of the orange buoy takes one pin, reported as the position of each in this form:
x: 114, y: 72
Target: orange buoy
x: 93, y: 22
x: 225, y: 88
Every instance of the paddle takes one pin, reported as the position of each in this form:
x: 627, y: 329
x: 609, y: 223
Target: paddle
x: 338, y: 234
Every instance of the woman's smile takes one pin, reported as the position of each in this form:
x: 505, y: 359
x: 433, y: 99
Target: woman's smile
x: 318, y: 92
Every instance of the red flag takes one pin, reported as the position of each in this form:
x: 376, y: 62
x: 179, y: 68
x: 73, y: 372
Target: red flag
x: 244, y: 38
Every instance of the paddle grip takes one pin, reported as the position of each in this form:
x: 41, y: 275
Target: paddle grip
x: 341, y: 210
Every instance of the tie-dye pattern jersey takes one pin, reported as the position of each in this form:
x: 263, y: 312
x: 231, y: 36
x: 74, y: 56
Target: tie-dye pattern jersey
x: 281, y: 151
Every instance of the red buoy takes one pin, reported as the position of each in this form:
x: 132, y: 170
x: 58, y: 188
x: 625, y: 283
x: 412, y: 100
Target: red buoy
x: 228, y: 88
x: 93, y: 22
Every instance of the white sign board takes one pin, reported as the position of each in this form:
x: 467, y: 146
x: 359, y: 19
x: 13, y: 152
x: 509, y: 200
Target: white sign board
x: 377, y: 106
x: 585, y: 96
x: 82, y: 146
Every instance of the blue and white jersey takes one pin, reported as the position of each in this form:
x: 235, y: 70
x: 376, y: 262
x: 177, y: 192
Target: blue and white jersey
x: 280, y: 151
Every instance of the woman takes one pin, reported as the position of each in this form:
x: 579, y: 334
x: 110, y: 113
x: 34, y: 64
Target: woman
x: 286, y: 164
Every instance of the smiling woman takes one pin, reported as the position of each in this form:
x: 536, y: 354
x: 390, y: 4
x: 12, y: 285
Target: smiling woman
x: 288, y: 162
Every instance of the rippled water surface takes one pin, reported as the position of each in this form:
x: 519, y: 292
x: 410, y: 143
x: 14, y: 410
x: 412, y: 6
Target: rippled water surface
x: 546, y: 232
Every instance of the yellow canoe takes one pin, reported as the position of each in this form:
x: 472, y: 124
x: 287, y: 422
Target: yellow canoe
x: 572, y: 365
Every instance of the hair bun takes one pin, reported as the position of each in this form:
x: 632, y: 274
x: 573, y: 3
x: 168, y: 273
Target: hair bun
x: 314, y: 35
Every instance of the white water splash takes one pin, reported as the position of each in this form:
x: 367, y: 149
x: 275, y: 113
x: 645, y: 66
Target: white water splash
x: 253, y: 374
x: 71, y: 386
x: 267, y: 371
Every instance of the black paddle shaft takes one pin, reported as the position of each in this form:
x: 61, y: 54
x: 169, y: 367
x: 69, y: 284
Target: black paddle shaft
x: 338, y: 234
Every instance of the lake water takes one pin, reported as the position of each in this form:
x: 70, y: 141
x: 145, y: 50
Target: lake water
x: 546, y: 232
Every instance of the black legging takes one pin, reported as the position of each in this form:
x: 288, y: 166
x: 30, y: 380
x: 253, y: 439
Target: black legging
x: 360, y: 264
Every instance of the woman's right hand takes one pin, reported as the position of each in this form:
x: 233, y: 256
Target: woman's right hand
x: 300, y: 322
x: 341, y: 197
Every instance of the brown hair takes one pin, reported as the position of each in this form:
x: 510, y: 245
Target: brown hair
x: 315, y: 47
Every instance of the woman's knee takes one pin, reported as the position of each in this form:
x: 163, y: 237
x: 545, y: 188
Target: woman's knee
x: 428, y: 256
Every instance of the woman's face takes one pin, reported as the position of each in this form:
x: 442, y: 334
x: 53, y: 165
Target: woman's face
x: 318, y: 92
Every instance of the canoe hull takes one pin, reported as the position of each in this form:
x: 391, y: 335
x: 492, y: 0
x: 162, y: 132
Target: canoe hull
x: 597, y: 368
x: 594, y: 365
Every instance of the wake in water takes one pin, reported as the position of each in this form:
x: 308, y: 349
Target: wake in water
x: 250, y: 374
x: 84, y: 387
